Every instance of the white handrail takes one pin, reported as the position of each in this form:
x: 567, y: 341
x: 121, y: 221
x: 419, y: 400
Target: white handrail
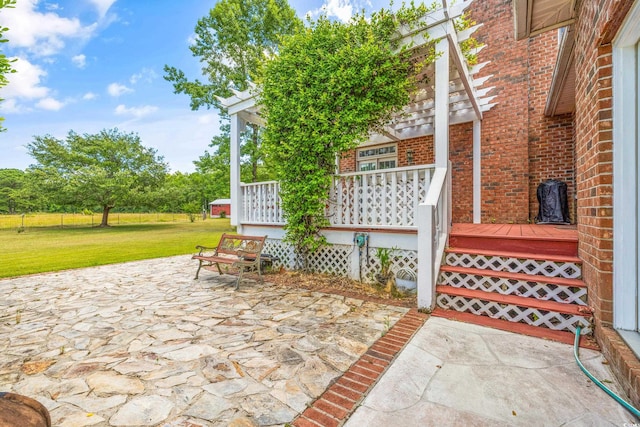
x: 433, y: 232
x: 435, y: 189
x: 378, y: 171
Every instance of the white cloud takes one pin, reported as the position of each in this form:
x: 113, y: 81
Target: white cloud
x: 341, y: 9
x: 146, y: 75
x: 137, y: 112
x: 89, y: 96
x: 50, y: 104
x: 79, y: 61
x: 11, y: 106
x: 102, y: 6
x: 40, y: 33
x: 25, y: 82
x: 207, y: 119
x: 116, y: 89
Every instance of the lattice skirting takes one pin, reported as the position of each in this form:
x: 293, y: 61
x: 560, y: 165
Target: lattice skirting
x: 400, y: 259
x: 285, y: 256
x: 337, y: 259
x: 512, y: 313
x: 569, y: 270
x: 532, y: 288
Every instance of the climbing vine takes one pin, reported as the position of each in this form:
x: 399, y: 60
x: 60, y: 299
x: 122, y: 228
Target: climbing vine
x: 329, y: 87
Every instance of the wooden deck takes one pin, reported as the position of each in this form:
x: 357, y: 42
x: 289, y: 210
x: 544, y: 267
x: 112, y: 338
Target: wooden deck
x: 540, y: 239
x: 530, y: 231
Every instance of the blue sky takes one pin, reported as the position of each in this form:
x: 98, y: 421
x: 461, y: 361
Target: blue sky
x: 88, y: 65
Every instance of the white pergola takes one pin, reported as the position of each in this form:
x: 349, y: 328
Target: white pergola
x: 451, y: 95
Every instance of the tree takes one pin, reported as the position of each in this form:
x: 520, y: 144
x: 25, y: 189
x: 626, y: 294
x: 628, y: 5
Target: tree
x: 102, y: 169
x: 214, y: 164
x: 11, y: 182
x: 232, y: 43
x: 5, y: 63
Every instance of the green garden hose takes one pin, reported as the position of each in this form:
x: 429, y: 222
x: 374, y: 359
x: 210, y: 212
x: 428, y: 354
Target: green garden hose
x: 617, y: 398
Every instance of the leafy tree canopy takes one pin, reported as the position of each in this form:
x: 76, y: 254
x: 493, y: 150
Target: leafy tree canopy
x: 103, y: 169
x: 5, y: 63
x: 330, y: 86
x: 11, y: 182
x: 231, y: 42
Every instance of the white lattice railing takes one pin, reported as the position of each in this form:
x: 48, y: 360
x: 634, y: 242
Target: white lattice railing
x: 261, y: 203
x: 386, y: 198
x: 379, y: 198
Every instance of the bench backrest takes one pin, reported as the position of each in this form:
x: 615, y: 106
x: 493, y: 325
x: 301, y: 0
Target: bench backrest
x: 232, y: 244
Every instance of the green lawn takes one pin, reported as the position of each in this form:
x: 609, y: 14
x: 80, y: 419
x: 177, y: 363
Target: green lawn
x: 40, y: 250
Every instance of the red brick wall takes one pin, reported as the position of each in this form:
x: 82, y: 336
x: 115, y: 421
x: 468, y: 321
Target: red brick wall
x: 505, y: 174
x: 422, y: 148
x: 520, y: 146
x: 597, y: 23
x: 551, y: 147
x: 461, y: 156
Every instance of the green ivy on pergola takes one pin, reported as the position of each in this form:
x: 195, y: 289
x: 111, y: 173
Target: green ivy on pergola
x: 446, y: 93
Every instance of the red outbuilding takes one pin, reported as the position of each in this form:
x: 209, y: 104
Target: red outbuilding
x: 220, y: 207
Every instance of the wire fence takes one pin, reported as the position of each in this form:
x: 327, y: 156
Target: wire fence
x: 64, y: 220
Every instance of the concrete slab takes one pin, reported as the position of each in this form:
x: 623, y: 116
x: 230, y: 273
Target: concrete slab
x: 453, y: 373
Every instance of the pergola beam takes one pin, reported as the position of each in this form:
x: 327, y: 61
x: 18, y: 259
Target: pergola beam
x: 461, y: 65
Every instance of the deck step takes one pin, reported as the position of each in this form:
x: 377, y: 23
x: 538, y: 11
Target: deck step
x: 515, y: 300
x: 519, y: 328
x: 519, y: 255
x: 549, y: 314
x: 553, y: 266
x: 523, y: 277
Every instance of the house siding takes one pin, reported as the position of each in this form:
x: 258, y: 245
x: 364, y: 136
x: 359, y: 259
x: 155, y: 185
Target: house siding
x: 596, y: 24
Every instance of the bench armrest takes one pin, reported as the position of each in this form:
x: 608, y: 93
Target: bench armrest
x: 203, y: 249
x: 244, y: 254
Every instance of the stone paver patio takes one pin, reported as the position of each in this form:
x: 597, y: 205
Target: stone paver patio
x: 142, y: 343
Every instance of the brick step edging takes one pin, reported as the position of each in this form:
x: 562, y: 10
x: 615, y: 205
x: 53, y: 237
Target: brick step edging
x: 342, y: 397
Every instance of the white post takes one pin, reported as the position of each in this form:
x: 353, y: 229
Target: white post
x: 425, y: 286
x: 477, y: 173
x: 236, y: 199
x: 441, y: 131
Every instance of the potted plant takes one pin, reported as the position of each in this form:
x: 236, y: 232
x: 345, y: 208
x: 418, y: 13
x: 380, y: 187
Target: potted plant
x: 385, y: 276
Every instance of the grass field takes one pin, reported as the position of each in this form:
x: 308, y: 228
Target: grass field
x: 80, y: 220
x: 38, y: 250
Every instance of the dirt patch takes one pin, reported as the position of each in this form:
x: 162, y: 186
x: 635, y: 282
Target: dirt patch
x: 338, y: 285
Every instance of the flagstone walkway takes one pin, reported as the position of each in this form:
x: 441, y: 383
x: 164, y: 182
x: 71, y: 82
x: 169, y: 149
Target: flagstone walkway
x: 143, y: 344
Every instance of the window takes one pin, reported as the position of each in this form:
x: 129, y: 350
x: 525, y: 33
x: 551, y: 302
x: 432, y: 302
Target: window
x: 380, y: 157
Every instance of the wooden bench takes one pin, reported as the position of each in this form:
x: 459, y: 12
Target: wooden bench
x: 239, y: 252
